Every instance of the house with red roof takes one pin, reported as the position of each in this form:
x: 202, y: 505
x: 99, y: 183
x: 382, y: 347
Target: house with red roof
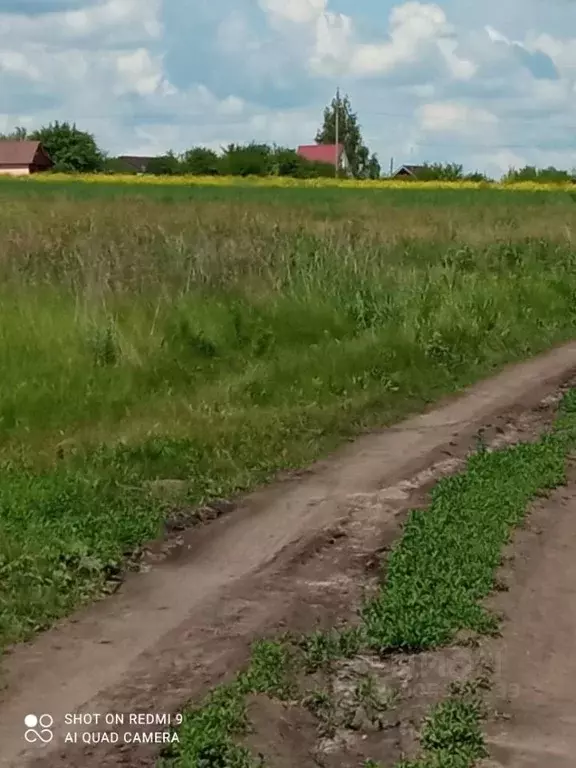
x: 325, y: 153
x: 21, y: 158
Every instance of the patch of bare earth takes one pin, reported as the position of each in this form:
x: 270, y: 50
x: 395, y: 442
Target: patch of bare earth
x: 372, y: 708
x: 534, y: 697
x: 295, y: 555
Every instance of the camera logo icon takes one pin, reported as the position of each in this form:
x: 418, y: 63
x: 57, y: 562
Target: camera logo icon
x: 39, y: 728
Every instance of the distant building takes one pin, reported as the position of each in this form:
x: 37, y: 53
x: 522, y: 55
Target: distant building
x: 325, y: 153
x: 21, y: 158
x: 135, y: 163
x: 409, y: 171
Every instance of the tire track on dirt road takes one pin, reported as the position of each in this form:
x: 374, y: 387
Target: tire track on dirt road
x: 171, y: 632
x: 535, y: 658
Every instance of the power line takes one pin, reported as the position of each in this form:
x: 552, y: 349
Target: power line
x: 198, y: 112
x: 466, y: 144
x: 337, y: 134
x: 457, y: 118
x: 162, y: 116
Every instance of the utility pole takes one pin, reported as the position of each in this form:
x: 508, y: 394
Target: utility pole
x: 337, y: 122
x: 391, y: 167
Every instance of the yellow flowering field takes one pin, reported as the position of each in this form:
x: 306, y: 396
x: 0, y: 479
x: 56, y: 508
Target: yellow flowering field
x: 286, y: 181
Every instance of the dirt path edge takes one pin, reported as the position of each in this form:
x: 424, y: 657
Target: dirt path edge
x: 170, y: 633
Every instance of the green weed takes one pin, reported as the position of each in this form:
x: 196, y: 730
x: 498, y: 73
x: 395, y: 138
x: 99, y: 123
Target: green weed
x: 320, y: 649
x: 451, y: 736
x: 445, y: 562
x: 436, y: 577
x: 210, y: 730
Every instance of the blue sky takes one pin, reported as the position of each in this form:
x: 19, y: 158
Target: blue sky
x: 489, y: 84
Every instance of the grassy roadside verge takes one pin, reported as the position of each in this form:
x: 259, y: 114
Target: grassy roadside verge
x: 436, y: 577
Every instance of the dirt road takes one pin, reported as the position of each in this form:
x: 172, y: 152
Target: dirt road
x: 171, y: 632
x: 535, y: 658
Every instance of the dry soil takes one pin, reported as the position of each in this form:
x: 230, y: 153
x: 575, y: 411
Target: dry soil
x: 535, y: 659
x: 289, y: 555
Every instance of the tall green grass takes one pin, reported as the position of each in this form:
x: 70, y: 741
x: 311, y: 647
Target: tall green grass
x: 218, y: 339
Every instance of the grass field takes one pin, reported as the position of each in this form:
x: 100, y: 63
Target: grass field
x: 214, y: 336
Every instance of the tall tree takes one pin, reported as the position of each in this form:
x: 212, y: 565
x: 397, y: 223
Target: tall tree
x: 201, y: 161
x: 70, y: 148
x: 362, y: 164
x: 165, y: 165
x: 247, y: 159
x: 18, y: 134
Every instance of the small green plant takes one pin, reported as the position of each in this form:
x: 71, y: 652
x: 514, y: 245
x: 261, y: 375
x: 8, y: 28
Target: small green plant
x: 445, y: 561
x: 321, y: 648
x: 451, y: 736
x: 209, y: 732
x: 368, y: 694
x: 319, y: 703
x: 272, y: 662
x: 105, y: 347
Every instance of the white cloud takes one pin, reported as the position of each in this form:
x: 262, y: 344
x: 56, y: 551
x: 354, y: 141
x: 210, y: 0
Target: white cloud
x: 504, y: 159
x: 296, y: 11
x: 233, y: 34
x: 15, y: 62
x: 417, y: 31
x: 497, y: 37
x: 413, y: 26
x: 98, y: 66
x: 139, y: 72
x: 455, y: 118
x: 114, y: 13
x: 231, y: 105
x: 420, y: 74
x: 108, y: 21
x: 333, y: 33
x: 460, y: 68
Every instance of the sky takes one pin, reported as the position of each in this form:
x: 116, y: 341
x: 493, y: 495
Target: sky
x: 491, y: 85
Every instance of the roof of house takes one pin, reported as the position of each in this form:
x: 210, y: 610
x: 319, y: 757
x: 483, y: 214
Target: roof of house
x: 14, y: 152
x: 413, y: 169
x: 320, y: 153
x: 136, y: 161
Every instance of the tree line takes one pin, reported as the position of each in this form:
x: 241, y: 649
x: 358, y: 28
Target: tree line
x: 76, y: 151
x: 455, y: 172
x: 235, y: 160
